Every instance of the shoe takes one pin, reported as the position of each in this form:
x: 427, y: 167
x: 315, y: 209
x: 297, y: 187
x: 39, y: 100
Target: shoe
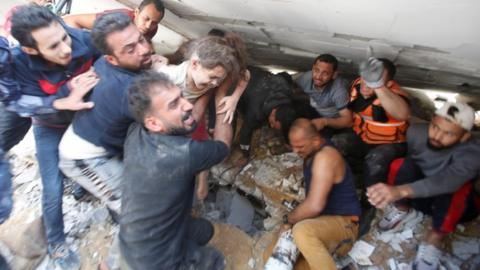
x: 62, y: 258
x: 391, y: 218
x: 428, y: 257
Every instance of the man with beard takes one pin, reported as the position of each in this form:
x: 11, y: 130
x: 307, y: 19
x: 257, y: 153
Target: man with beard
x: 157, y: 230
x: 48, y: 77
x: 91, y: 149
x: 146, y: 17
x: 436, y: 177
x: 328, y: 95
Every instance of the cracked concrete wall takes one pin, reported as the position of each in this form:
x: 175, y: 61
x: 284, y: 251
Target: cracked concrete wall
x: 434, y: 43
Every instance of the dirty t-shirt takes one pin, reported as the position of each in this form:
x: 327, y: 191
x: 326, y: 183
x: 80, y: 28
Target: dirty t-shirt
x: 330, y: 100
x: 157, y: 195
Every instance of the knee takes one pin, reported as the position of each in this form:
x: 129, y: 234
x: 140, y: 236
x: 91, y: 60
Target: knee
x: 301, y: 233
x: 206, y: 231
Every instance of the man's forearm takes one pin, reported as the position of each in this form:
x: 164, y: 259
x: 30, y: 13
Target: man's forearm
x: 339, y: 122
x: 393, y: 104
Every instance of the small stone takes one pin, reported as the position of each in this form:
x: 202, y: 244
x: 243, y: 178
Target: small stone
x: 251, y: 263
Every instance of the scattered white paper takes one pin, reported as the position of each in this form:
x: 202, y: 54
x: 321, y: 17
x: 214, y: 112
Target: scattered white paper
x: 361, y: 252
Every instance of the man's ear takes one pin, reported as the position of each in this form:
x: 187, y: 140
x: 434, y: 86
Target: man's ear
x: 335, y: 74
x: 466, y: 136
x: 154, y: 125
x: 389, y: 84
x: 29, y: 50
x: 111, y: 59
x: 136, y: 11
x: 194, y: 63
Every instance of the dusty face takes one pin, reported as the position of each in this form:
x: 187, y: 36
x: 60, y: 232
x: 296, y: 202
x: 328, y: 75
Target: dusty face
x: 301, y: 144
x: 366, y: 91
x: 444, y: 134
x: 173, y: 112
x: 322, y: 73
x: 147, y: 18
x: 53, y: 44
x: 204, y: 78
x: 130, y: 49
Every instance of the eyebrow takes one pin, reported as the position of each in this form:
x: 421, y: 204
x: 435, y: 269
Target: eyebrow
x: 173, y: 102
x: 132, y: 44
x: 58, y: 42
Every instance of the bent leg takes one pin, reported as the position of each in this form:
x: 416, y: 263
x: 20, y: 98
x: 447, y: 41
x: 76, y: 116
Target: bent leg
x: 378, y: 160
x: 101, y: 176
x: 319, y: 238
x: 46, y: 142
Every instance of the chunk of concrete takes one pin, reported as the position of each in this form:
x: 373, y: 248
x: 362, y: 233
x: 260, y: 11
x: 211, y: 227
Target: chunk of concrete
x: 241, y: 213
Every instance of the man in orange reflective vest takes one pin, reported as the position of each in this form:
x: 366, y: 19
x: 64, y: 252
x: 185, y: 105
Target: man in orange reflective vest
x: 380, y: 111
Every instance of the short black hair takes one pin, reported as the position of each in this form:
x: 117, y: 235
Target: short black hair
x: 327, y: 58
x: 389, y: 66
x: 216, y: 32
x: 28, y: 18
x: 286, y: 115
x: 141, y: 90
x: 158, y: 5
x: 104, y: 26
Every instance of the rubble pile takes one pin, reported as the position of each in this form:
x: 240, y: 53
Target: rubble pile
x: 22, y: 239
x: 268, y: 177
x: 396, y: 249
x: 245, y: 205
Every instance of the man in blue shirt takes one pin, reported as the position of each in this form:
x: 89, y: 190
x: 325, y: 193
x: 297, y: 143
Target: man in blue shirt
x: 51, y: 69
x: 92, y: 147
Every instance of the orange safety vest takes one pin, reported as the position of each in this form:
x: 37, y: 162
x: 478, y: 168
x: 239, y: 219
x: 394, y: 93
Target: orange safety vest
x: 374, y: 132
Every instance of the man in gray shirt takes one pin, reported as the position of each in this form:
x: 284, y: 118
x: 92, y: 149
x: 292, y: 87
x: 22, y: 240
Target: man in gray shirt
x: 436, y: 177
x: 327, y: 93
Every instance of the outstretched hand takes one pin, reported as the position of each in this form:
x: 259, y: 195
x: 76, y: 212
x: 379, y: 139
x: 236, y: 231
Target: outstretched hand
x: 79, y: 86
x: 227, y: 105
x: 380, y: 195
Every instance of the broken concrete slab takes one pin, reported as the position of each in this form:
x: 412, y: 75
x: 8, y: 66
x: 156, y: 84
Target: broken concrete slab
x: 241, y: 213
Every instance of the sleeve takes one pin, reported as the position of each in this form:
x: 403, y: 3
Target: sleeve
x: 27, y: 98
x: 205, y: 154
x: 465, y: 166
x: 302, y: 80
x: 341, y: 97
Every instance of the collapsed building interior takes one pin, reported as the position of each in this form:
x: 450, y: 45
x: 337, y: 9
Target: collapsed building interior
x: 434, y: 44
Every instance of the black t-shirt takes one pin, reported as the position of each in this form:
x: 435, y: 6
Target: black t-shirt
x: 157, y: 195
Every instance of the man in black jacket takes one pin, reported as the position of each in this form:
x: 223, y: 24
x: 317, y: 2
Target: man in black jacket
x: 267, y: 97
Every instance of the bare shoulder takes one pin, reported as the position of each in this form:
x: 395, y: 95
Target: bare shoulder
x: 328, y: 156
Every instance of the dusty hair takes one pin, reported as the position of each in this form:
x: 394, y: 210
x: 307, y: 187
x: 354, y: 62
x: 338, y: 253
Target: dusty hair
x: 226, y: 52
x: 236, y: 42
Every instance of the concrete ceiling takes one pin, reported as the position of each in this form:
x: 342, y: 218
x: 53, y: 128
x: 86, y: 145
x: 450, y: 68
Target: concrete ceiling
x: 435, y: 43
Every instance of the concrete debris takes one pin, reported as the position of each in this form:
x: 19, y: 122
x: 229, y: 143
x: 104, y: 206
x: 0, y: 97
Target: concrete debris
x: 361, y: 252
x: 465, y: 247
x: 241, y: 213
x: 251, y: 263
x: 258, y: 188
